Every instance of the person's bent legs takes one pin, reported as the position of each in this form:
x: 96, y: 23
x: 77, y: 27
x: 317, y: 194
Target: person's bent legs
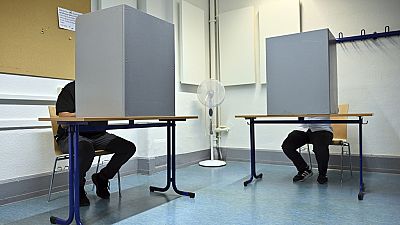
x: 293, y: 141
x: 123, y: 150
x: 321, y: 141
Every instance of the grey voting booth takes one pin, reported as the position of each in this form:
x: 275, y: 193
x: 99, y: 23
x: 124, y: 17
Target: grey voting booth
x: 301, y: 73
x: 124, y: 64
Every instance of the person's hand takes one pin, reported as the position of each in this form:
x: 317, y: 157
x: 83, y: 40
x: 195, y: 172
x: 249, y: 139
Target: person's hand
x: 66, y: 114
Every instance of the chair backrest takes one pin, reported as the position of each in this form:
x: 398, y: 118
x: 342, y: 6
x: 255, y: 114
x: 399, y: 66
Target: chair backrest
x: 340, y: 130
x: 54, y: 128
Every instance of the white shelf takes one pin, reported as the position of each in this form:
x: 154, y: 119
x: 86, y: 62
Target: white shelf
x: 26, y: 122
x: 27, y: 97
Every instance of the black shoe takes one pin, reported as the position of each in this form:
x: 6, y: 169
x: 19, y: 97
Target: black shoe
x: 83, y: 199
x: 322, y: 179
x: 303, y: 175
x: 101, y: 186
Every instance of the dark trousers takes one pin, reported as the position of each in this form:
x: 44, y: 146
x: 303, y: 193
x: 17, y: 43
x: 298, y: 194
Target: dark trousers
x: 320, y: 141
x: 123, y: 150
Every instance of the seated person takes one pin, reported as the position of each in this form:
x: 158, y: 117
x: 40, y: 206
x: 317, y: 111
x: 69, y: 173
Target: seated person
x: 89, y: 142
x: 320, y: 136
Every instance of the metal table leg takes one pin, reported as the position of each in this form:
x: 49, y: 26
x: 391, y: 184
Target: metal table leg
x: 164, y: 189
x: 77, y: 175
x: 56, y: 220
x: 362, y: 188
x: 252, y: 155
x: 171, y: 164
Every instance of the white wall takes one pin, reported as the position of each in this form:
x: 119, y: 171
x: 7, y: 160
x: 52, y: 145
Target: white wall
x: 192, y: 40
x: 368, y: 71
x: 196, y: 136
x: 102, y: 4
x: 161, y: 9
x: 368, y: 76
x: 25, y: 152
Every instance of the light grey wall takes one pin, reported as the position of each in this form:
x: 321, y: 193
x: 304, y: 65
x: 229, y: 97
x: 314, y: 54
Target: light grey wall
x: 162, y: 9
x: 367, y: 76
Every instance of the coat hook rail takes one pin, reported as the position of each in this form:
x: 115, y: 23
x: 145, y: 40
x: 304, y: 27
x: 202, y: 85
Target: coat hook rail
x: 364, y: 36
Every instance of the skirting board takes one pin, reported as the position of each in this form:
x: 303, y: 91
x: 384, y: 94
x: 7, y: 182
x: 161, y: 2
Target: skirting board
x: 22, y: 188
x: 371, y: 163
x: 37, y: 185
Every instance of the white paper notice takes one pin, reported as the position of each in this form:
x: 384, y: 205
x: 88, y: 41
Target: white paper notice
x: 66, y: 18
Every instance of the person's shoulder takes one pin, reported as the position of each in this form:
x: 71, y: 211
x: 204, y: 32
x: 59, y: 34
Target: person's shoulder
x: 70, y: 86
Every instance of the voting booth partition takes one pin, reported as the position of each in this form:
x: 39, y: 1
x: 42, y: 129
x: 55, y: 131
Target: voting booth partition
x: 301, y: 73
x: 124, y: 64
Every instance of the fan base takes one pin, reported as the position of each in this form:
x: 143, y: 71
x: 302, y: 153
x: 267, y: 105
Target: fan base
x: 212, y: 163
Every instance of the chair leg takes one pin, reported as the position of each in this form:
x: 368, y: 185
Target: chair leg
x: 52, y: 179
x: 341, y: 165
x: 309, y: 155
x: 97, y: 169
x: 351, y: 166
x: 119, y: 184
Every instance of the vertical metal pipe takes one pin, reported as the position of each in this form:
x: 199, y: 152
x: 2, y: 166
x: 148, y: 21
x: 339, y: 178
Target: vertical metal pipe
x: 217, y: 56
x: 209, y: 37
x: 217, y: 72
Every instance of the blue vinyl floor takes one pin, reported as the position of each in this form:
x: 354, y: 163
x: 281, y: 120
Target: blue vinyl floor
x: 221, y: 199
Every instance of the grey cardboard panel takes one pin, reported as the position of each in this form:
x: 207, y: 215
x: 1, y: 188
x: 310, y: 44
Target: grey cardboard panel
x: 99, y: 63
x: 333, y: 73
x: 128, y: 68
x: 299, y: 74
x: 150, y: 75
